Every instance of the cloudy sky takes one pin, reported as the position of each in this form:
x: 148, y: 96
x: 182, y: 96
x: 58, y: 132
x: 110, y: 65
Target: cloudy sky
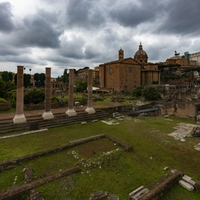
x: 64, y: 34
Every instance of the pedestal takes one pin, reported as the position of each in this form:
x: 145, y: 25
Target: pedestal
x: 19, y: 119
x: 48, y: 115
x: 71, y: 112
x: 90, y: 110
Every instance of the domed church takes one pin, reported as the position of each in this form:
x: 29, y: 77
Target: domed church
x: 124, y: 74
x: 141, y: 55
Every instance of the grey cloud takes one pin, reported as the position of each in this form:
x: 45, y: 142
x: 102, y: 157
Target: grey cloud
x: 131, y: 14
x: 182, y: 18
x: 72, y: 48
x: 6, y: 22
x: 84, y: 14
x: 91, y: 52
x: 38, y: 32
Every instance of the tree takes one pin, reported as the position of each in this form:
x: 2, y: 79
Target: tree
x: 7, y: 76
x: 81, y: 86
x: 2, y: 89
x: 27, y: 80
x: 39, y: 79
x: 150, y: 93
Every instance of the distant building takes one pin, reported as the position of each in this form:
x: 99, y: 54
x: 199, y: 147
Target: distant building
x: 183, y: 61
x: 195, y: 57
x: 125, y: 74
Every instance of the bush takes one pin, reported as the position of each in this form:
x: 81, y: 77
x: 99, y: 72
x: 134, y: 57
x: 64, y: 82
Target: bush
x: 55, y: 99
x: 137, y: 92
x: 2, y: 101
x: 34, y: 96
x: 150, y: 93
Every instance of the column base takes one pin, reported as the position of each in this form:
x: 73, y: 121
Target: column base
x: 19, y: 119
x: 71, y: 112
x: 90, y: 110
x: 48, y: 115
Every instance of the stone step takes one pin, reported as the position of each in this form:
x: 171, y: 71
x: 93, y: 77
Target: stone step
x: 58, y: 120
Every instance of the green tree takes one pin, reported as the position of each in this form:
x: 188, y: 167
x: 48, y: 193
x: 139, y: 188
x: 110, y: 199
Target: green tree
x: 39, y: 79
x: 81, y: 86
x: 150, y: 93
x: 27, y: 80
x: 7, y: 76
x: 3, y: 91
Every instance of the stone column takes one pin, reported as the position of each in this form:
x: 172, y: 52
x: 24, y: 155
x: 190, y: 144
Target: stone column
x: 71, y: 111
x: 47, y: 113
x: 89, y: 108
x: 19, y: 116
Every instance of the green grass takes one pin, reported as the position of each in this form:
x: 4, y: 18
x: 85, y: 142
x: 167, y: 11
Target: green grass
x: 119, y: 172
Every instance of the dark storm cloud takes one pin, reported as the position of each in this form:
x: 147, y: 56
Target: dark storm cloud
x: 6, y: 23
x: 6, y: 50
x: 72, y: 48
x: 131, y: 14
x: 83, y: 14
x: 182, y: 18
x: 91, y: 52
x: 39, y: 31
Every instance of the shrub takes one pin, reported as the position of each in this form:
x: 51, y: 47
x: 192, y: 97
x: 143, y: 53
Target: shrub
x: 55, y: 99
x: 2, y: 101
x: 150, y: 93
x: 34, y: 96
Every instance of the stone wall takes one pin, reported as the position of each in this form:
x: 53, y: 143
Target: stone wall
x: 180, y: 109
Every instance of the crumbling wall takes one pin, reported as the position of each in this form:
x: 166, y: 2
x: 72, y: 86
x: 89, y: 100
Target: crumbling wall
x: 180, y: 109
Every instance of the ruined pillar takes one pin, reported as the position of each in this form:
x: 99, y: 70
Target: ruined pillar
x: 47, y: 113
x: 90, y: 108
x: 71, y: 111
x: 19, y: 116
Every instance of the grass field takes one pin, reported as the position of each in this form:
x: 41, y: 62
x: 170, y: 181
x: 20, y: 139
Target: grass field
x: 105, y: 165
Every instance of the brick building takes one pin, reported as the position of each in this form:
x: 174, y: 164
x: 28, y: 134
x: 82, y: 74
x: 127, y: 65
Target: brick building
x: 126, y: 73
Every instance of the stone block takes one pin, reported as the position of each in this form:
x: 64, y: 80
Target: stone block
x: 186, y: 185
x: 186, y: 178
x: 139, y: 194
x: 135, y: 191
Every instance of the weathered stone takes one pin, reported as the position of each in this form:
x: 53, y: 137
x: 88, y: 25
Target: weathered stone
x: 166, y: 168
x: 196, y: 131
x: 139, y: 194
x: 28, y: 174
x: 197, y: 185
x: 186, y: 185
x: 98, y: 195
x: 188, y: 179
x: 135, y: 191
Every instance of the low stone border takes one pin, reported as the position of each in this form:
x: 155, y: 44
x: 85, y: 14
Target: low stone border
x: 122, y: 144
x: 197, y: 185
x: 162, y: 186
x: 9, y: 164
x: 26, y: 187
x: 21, y: 134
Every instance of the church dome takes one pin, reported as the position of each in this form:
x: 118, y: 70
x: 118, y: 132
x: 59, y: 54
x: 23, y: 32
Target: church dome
x: 141, y: 55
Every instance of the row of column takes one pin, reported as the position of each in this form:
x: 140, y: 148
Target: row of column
x: 19, y: 116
